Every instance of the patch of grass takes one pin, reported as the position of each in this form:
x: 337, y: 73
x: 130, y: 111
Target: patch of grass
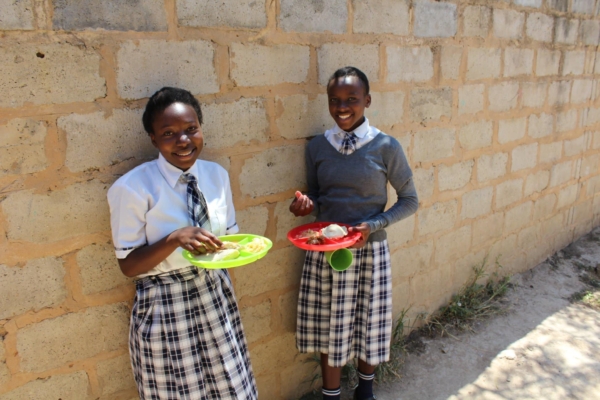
x: 588, y: 297
x: 473, y: 302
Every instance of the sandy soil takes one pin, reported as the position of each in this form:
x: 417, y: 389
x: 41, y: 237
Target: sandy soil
x: 545, y: 347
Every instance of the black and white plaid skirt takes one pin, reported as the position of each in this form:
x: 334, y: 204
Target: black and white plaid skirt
x: 186, y: 339
x: 347, y: 314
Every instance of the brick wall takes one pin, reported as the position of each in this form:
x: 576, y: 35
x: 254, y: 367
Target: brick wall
x: 495, y: 102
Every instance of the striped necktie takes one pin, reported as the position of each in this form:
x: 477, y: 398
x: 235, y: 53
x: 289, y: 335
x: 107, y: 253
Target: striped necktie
x: 196, y: 203
x: 348, y: 143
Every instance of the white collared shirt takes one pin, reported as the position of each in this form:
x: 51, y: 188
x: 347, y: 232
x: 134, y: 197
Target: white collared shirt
x: 364, y: 134
x: 150, y: 201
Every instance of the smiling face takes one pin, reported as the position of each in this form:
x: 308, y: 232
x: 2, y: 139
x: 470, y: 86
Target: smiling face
x: 347, y: 101
x: 176, y: 133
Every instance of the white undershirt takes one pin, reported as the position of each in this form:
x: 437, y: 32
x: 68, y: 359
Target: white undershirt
x: 364, y: 134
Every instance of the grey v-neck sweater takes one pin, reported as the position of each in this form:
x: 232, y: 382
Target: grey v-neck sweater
x: 353, y: 188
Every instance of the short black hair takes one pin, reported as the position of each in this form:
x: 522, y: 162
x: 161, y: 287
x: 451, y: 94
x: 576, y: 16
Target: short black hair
x: 162, y: 99
x: 351, y: 71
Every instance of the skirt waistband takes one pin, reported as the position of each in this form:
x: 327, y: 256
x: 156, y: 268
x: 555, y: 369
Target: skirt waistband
x: 178, y: 275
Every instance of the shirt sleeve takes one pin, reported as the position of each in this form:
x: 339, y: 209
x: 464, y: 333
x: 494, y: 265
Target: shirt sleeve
x: 407, y: 202
x: 232, y: 226
x: 127, y: 219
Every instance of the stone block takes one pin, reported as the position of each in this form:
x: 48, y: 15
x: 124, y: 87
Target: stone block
x: 491, y: 166
x: 453, y: 245
x: 534, y: 94
x: 550, y: 152
x: 381, y: 16
x: 274, y: 355
x: 22, y: 147
x: 17, y: 15
x: 4, y: 372
x: 510, y: 130
x: 409, y: 261
x: 455, y: 176
x: 37, y: 73
x: 295, y: 378
x: 539, y: 27
x: 483, y: 63
x: 528, y: 237
x: 501, y: 254
x: 517, y: 62
x: 583, y: 213
x: 424, y: 182
x: 476, y: 135
x: 73, y: 386
x: 476, y: 203
x: 528, y: 3
x: 508, y: 192
x: 287, y: 310
x: 470, y: 98
x: 223, y: 127
x: 558, y: 92
x: 273, y: 171
x: 574, y: 62
x: 590, y: 116
x: 566, y: 30
x: 566, y: 121
x: 433, y: 19
x: 400, y: 298
x: 508, y: 24
x: 300, y: 116
x: 410, y: 64
x: 313, y: 16
x: 401, y: 232
x: 332, y: 56
x: 430, y: 104
x: 581, y: 91
x: 558, y: 5
x: 281, y: 270
x: 99, y: 269
x: 540, y: 125
x: 253, y: 220
x: 548, y: 62
x: 229, y: 13
x: 517, y: 217
x: 589, y: 165
x: 55, y: 342
x: 95, y: 140
x: 451, y: 59
x: 583, y: 7
x: 590, y: 32
x: 561, y: 173
x: 39, y: 284
x: 257, y: 321
x: 476, y: 21
x: 524, y: 156
x: 188, y: 64
x: 430, y: 287
x: 440, y: 216
x: 567, y: 196
x: 120, y: 15
x: 575, y: 146
x: 544, y: 207
x: 487, y: 229
x: 282, y: 63
x: 536, y: 182
x: 386, y: 111
x: 433, y: 144
x: 596, y: 140
x: 286, y: 220
x: 76, y: 210
x: 115, y: 375
x: 503, y: 96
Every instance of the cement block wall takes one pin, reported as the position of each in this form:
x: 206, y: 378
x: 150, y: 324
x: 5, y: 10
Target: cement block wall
x: 495, y: 102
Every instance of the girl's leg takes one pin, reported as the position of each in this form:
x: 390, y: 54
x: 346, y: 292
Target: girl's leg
x: 366, y: 374
x: 331, y: 379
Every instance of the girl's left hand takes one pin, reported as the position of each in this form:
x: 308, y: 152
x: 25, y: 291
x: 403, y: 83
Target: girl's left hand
x: 365, y: 231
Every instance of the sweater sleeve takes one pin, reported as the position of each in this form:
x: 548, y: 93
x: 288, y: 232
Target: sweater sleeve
x: 399, y: 175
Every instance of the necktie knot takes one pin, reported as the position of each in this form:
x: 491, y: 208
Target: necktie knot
x: 186, y: 178
x: 348, y: 143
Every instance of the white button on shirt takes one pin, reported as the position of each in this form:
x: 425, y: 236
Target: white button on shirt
x: 364, y: 134
x: 150, y: 201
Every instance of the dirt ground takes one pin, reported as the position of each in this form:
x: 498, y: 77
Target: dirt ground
x: 547, y: 346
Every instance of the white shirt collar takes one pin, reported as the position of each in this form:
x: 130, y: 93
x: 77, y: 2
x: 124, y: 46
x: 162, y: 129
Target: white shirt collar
x: 171, y: 173
x: 360, y: 132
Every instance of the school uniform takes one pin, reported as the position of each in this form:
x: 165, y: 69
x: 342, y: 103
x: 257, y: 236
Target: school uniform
x: 349, y: 314
x: 186, y: 339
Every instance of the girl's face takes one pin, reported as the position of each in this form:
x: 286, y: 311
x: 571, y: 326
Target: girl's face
x: 176, y: 133
x: 347, y: 102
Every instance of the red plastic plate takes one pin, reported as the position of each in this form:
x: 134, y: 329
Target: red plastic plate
x: 330, y: 244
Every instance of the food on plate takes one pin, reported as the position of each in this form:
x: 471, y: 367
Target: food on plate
x: 334, y: 231
x: 220, y: 255
x: 255, y: 246
x: 316, y: 240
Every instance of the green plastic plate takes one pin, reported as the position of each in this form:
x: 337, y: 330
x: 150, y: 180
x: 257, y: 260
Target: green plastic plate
x: 244, y: 258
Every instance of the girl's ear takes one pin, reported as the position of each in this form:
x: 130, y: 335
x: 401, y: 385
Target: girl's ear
x: 368, y: 103
x: 152, y: 138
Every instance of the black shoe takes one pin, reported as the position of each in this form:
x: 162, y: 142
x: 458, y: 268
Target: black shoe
x: 355, y: 397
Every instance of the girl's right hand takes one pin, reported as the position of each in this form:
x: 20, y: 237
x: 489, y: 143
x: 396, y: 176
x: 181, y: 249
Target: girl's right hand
x: 301, y: 205
x: 197, y: 240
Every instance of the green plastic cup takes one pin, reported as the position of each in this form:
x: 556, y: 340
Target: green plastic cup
x: 340, y: 259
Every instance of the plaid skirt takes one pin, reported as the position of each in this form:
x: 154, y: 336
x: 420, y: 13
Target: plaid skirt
x: 347, y: 314
x: 186, y: 339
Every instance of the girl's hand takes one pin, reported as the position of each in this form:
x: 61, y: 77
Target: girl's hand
x: 194, y: 239
x: 365, y: 231
x: 301, y: 205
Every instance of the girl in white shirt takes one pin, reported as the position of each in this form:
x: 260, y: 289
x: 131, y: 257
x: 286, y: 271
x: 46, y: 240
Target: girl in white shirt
x: 186, y: 339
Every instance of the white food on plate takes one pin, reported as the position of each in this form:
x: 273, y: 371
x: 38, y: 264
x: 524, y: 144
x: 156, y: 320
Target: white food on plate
x: 334, y: 231
x: 221, y: 255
